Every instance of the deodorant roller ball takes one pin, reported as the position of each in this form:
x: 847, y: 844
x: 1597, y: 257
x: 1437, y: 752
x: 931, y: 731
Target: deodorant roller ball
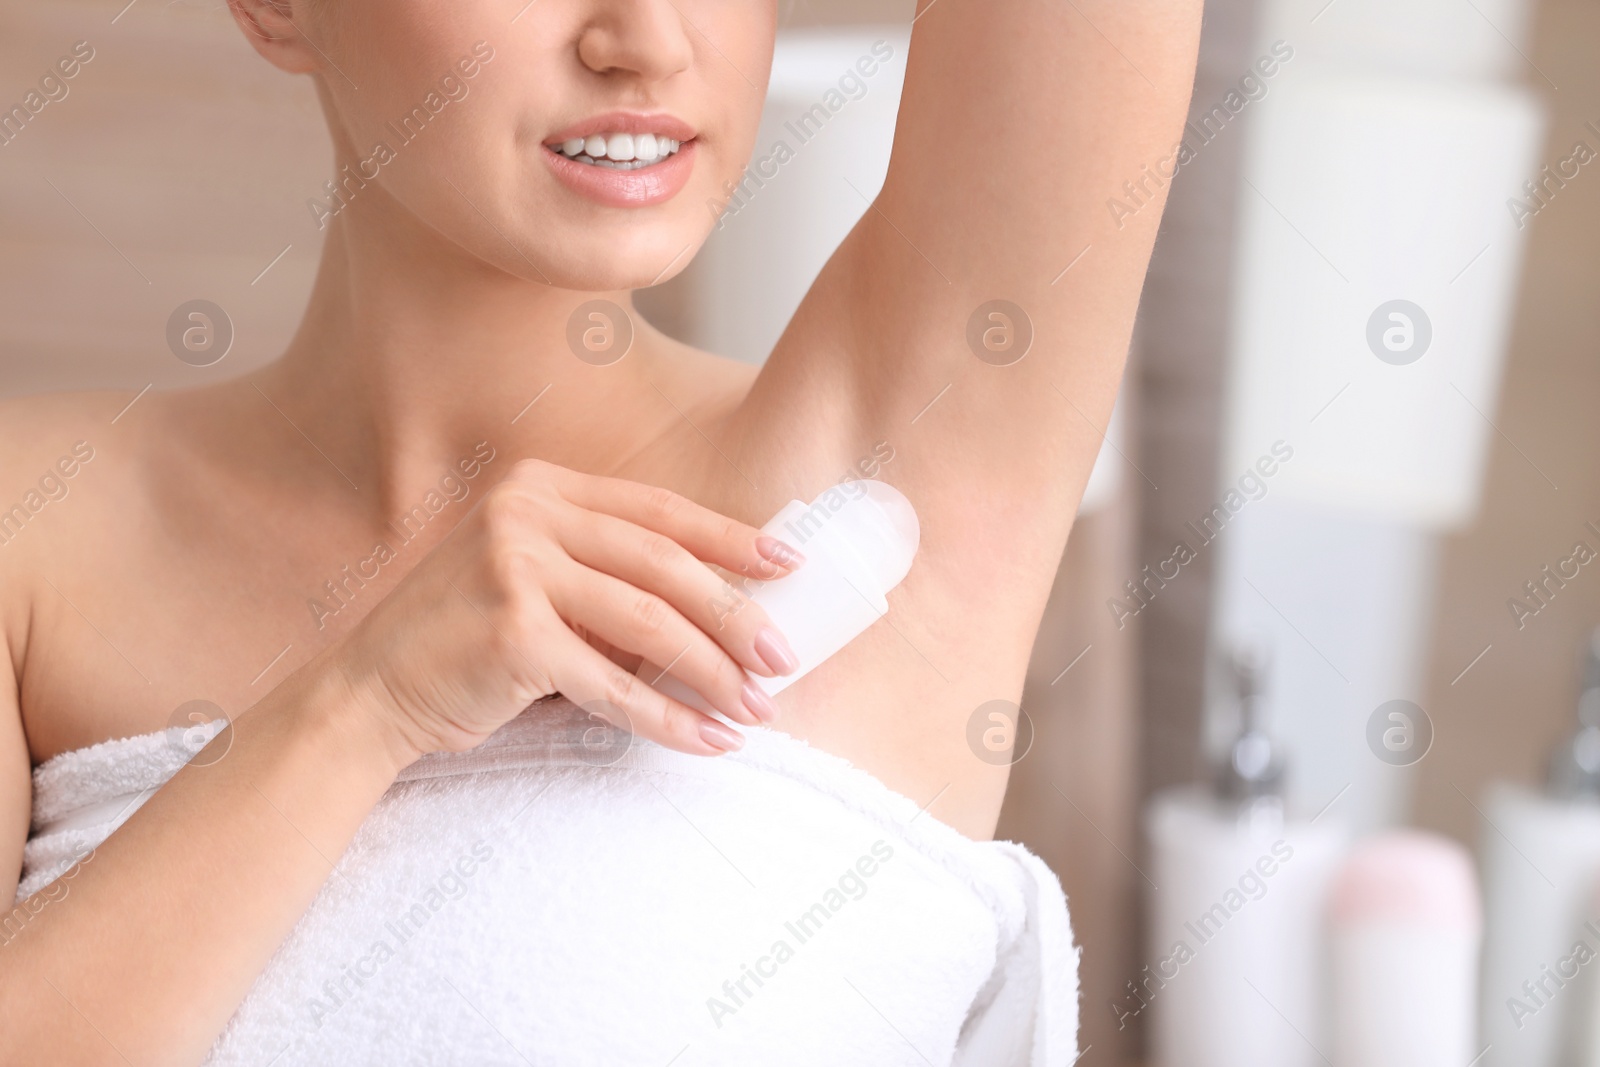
x: 859, y: 539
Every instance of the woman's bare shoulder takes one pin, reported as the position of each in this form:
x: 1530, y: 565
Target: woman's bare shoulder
x: 31, y: 426
x: 52, y: 449
x: 52, y: 446
x: 43, y: 436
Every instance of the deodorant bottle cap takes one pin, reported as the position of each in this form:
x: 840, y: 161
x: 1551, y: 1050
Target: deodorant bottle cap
x: 1406, y: 929
x: 1408, y: 876
x: 882, y: 528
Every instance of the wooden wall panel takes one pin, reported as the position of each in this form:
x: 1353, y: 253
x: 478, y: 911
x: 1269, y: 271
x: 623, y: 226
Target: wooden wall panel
x: 177, y: 167
x: 1072, y: 798
x: 1501, y: 718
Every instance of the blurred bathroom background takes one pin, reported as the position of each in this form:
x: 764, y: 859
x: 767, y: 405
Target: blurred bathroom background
x: 1317, y: 747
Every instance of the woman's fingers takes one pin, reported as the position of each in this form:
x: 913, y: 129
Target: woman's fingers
x: 708, y: 535
x: 641, y: 621
x: 568, y: 590
x: 593, y: 682
x: 656, y: 563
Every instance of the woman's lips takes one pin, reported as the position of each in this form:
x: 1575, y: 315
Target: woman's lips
x: 659, y: 123
x: 643, y: 187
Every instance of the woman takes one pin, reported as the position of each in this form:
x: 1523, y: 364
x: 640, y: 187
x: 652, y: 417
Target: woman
x: 436, y: 340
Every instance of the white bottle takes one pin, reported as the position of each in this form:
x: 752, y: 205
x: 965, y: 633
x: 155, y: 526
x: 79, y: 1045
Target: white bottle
x: 1583, y: 1021
x: 1233, y: 976
x: 1407, y: 924
x: 859, y: 539
x: 1541, y: 867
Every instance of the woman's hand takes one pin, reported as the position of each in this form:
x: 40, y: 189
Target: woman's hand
x: 551, y: 563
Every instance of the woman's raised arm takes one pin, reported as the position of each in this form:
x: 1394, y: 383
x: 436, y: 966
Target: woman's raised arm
x: 973, y: 327
x: 1021, y: 122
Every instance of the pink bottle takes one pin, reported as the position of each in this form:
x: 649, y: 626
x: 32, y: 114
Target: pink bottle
x: 1406, y: 925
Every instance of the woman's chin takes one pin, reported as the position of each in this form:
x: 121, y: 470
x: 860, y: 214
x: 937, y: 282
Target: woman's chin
x: 649, y: 262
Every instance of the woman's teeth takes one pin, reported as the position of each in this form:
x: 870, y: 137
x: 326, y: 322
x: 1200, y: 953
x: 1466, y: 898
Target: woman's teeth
x: 619, y: 151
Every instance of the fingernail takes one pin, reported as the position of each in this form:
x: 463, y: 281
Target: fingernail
x: 775, y: 651
x: 717, y: 735
x: 760, y: 704
x: 775, y: 551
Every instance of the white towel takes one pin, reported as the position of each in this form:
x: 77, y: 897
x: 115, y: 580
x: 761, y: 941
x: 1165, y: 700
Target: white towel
x: 540, y: 900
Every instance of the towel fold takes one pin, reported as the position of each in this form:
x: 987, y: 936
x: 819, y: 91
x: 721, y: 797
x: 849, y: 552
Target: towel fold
x: 563, y: 895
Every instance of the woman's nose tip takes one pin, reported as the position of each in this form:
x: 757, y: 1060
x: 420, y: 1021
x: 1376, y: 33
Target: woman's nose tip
x: 649, y: 38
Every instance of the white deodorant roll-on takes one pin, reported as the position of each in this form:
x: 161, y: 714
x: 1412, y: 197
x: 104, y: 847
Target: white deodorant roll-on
x: 1406, y: 926
x: 859, y: 539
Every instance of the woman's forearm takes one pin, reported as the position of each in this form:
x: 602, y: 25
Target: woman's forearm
x: 166, y: 925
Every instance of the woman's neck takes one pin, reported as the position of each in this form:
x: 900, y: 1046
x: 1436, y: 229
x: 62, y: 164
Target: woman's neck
x: 411, y: 351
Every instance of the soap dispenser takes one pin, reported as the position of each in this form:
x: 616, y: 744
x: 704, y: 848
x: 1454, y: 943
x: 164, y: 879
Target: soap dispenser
x: 1236, y: 905
x: 1541, y: 872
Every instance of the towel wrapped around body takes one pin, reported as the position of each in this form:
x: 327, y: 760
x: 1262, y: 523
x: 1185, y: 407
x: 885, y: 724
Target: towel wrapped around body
x: 566, y: 895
